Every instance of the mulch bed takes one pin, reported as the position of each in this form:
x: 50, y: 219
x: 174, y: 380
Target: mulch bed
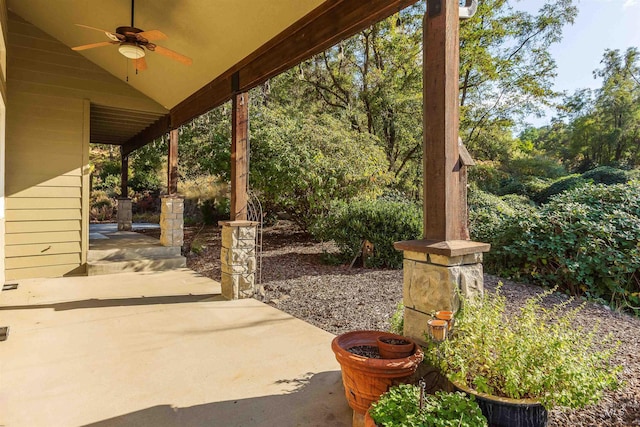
x: 339, y: 299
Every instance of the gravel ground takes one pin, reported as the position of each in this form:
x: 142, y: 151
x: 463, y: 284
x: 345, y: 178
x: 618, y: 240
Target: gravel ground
x: 338, y: 299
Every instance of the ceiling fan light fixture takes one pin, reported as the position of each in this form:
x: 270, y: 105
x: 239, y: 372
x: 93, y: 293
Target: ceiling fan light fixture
x: 131, y: 51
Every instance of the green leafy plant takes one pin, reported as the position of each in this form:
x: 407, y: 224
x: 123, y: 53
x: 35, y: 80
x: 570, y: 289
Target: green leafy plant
x: 563, y: 184
x: 400, y: 407
x: 538, y: 353
x: 606, y: 175
x: 585, y: 241
x: 381, y: 222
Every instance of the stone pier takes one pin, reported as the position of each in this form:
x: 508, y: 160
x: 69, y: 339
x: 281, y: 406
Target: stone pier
x: 172, y: 221
x: 125, y: 216
x: 238, y: 258
x: 435, y: 275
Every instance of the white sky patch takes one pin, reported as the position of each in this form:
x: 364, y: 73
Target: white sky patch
x: 629, y: 3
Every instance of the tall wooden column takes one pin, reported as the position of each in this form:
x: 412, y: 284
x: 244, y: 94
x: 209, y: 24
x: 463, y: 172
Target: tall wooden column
x: 239, y: 156
x: 443, y: 265
x: 172, y: 206
x: 124, y: 214
x: 172, y: 168
x: 442, y: 202
x: 124, y: 174
x: 238, y: 249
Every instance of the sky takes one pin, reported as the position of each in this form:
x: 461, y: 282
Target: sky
x: 600, y: 24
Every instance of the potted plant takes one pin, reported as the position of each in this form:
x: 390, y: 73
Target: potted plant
x: 365, y: 374
x: 519, y: 366
x: 405, y: 406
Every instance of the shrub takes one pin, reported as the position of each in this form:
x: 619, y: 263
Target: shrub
x: 381, y: 222
x: 400, y: 407
x: 488, y: 213
x: 606, y: 175
x: 301, y: 164
x: 563, y: 184
x: 102, y: 207
x: 487, y: 177
x: 584, y: 240
x: 540, y: 166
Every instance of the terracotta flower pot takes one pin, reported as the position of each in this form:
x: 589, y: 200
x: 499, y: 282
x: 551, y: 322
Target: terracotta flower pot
x: 505, y: 412
x: 364, y: 378
x: 395, y: 347
x: 447, y: 316
x: 438, y: 329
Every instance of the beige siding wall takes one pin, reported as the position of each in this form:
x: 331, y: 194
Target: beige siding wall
x: 3, y: 103
x: 49, y: 92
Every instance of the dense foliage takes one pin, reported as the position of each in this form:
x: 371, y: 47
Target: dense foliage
x: 585, y: 241
x: 381, y: 222
x: 538, y: 353
x: 400, y: 407
x: 300, y: 164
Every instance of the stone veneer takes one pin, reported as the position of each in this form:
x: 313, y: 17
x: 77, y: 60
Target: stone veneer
x: 124, y: 214
x: 172, y: 221
x: 434, y: 281
x: 238, y: 258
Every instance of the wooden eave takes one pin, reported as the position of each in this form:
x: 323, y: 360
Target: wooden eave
x: 325, y: 26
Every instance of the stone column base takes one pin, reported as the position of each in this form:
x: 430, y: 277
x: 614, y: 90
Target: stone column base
x: 238, y: 258
x: 124, y: 215
x: 172, y: 221
x: 435, y: 274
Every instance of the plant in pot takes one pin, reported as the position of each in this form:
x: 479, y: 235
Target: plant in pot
x: 405, y: 406
x: 519, y: 366
x: 365, y: 374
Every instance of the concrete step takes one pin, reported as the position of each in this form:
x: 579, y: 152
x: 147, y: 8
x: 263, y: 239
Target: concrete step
x: 95, y: 268
x: 124, y: 254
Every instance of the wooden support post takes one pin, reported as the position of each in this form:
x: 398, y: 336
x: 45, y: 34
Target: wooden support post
x: 172, y: 169
x: 124, y: 174
x: 442, y: 202
x: 239, y: 156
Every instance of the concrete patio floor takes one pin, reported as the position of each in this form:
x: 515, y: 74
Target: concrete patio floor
x: 160, y: 349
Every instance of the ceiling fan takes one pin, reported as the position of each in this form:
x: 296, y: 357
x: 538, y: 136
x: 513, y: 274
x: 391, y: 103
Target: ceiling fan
x: 132, y: 43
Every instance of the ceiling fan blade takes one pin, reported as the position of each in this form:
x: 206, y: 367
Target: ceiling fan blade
x: 173, y: 55
x: 92, y: 45
x: 152, y: 35
x: 140, y: 64
x: 113, y: 36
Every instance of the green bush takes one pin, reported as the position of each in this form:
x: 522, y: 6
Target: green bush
x: 606, y: 175
x: 487, y: 177
x: 381, y: 222
x: 563, y: 184
x: 488, y: 213
x: 300, y: 164
x: 400, y: 407
x: 540, y: 166
x: 585, y: 241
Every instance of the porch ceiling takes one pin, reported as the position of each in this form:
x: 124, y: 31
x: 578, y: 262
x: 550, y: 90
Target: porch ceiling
x: 117, y: 125
x: 230, y: 41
